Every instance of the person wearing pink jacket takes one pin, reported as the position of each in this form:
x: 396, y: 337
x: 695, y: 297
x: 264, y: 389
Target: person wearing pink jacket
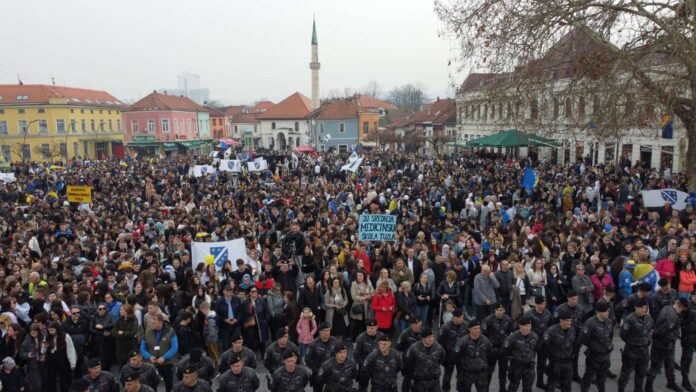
x: 600, y: 280
x: 306, y: 328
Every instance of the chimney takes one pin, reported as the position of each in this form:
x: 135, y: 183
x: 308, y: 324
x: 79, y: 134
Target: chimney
x: 154, y: 91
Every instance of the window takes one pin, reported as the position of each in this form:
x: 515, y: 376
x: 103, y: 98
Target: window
x: 101, y: 125
x: 321, y: 128
x: 629, y: 107
x: 6, y: 153
x: 73, y: 125
x: 20, y: 111
x: 111, y: 126
x: 40, y: 110
x: 60, y: 126
x: 273, y: 125
x: 581, y: 106
x: 568, y: 108
x: 188, y: 125
x: 165, y: 125
x: 342, y: 148
x: 555, y: 108
x: 82, y: 111
x: 45, y: 151
x: 85, y: 145
x: 23, y: 126
x: 181, y: 125
x: 595, y: 106
x: 492, y: 111
x: 72, y: 110
x: 22, y: 97
x: 176, y: 126
x: 26, y: 152
x: 151, y: 126
x: 118, y: 125
x: 93, y: 125
x: 341, y: 127
x: 235, y: 129
x: 134, y: 126
x: 2, y: 111
x: 63, y: 150
x: 3, y: 127
x: 43, y: 126
x: 297, y: 126
x: 534, y: 109
x: 91, y: 112
x: 366, y: 127
x: 76, y: 148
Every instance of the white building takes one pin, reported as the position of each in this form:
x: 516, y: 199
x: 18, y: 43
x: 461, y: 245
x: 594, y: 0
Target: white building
x: 566, y: 114
x: 285, y: 125
x: 189, y: 85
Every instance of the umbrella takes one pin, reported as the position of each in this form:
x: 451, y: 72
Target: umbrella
x: 231, y: 142
x: 305, y: 149
x: 512, y: 138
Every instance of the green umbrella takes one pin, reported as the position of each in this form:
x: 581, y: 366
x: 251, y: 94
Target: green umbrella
x: 512, y: 138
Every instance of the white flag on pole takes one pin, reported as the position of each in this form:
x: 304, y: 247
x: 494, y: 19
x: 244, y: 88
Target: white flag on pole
x: 202, y: 170
x: 353, y: 157
x: 259, y: 164
x: 657, y: 198
x: 227, y: 152
x: 221, y: 252
x: 231, y: 165
x: 295, y: 161
x: 352, y: 166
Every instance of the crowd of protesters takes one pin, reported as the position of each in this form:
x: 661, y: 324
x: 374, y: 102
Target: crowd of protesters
x: 484, y: 275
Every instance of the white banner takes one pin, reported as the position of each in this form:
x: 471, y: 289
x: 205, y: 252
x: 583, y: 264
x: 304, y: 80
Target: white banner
x: 213, y: 154
x: 231, y: 165
x: 221, y: 252
x: 7, y: 177
x: 202, y: 170
x: 353, y: 157
x: 352, y: 166
x: 259, y: 164
x: 657, y: 198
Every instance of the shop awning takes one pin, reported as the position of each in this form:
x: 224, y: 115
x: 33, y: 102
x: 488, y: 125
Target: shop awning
x: 512, y: 138
x: 193, y: 143
x: 170, y: 146
x: 143, y: 144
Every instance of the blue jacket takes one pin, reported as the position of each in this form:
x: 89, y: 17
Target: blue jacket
x: 221, y: 311
x: 625, y: 282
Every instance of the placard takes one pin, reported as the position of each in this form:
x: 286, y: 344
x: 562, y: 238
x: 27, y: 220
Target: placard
x: 377, y: 227
x: 79, y: 193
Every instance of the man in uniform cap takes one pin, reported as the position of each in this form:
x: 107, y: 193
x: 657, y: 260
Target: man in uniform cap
x: 472, y: 366
x: 497, y: 327
x: 598, y: 335
x: 98, y: 379
x: 577, y: 313
x: 146, y: 372
x: 337, y: 374
x: 665, y: 335
x: 541, y: 319
x: 321, y: 349
x: 663, y: 297
x: 191, y: 382
x: 238, y: 376
x: 636, y: 332
x: 450, y: 333
x: 273, y: 358
x: 205, y: 365
x: 290, y: 377
x: 521, y: 347
x: 407, y: 338
x: 131, y: 383
x: 688, y: 341
x: 365, y: 344
x: 383, y: 365
x: 237, y: 349
x: 422, y: 363
x: 559, y: 344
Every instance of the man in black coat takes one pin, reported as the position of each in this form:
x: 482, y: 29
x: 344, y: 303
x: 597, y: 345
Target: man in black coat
x: 228, y: 310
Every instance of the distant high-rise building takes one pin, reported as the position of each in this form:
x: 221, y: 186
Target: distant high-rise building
x: 189, y: 85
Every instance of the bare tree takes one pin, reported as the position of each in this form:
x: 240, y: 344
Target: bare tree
x: 409, y: 96
x: 373, y: 89
x: 639, y: 58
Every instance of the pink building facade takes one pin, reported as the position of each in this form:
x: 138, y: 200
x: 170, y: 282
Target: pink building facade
x: 165, y: 126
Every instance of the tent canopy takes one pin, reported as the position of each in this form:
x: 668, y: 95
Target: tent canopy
x: 512, y: 138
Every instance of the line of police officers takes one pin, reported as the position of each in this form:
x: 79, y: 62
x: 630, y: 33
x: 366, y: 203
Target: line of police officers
x: 540, y: 345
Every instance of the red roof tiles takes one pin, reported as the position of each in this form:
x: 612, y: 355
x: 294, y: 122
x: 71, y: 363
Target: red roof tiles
x: 19, y: 94
x: 156, y: 101
x: 338, y: 110
x: 296, y: 106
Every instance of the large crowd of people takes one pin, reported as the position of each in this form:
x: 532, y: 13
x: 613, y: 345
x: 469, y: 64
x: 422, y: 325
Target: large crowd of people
x: 487, y: 276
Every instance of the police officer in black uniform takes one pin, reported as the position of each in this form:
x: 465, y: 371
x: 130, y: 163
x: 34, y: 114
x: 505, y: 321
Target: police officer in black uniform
x: 450, y: 333
x: 146, y: 371
x: 238, y: 377
x: 365, y: 344
x: 665, y: 335
x: 662, y: 298
x: 407, y: 338
x: 132, y: 382
x: 422, y: 362
x: 383, y: 366
x: 205, y: 365
x: 598, y: 335
x: 337, y: 374
x: 578, y: 316
x: 521, y: 348
x: 636, y: 331
x: 275, y: 352
x: 541, y: 319
x: 688, y: 341
x: 559, y: 343
x: 191, y: 382
x: 497, y: 327
x: 290, y: 377
x: 321, y: 349
x: 99, y: 380
x: 237, y: 348
x: 472, y: 365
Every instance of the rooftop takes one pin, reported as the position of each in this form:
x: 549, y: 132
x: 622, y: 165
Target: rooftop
x: 25, y: 94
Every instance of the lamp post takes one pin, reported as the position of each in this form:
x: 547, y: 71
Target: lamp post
x: 26, y: 132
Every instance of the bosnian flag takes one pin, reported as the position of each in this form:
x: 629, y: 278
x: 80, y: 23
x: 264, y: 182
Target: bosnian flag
x: 658, y: 198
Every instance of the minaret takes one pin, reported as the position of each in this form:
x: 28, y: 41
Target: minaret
x: 314, y: 66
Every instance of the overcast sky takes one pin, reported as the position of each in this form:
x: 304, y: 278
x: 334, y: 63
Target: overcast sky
x: 242, y: 50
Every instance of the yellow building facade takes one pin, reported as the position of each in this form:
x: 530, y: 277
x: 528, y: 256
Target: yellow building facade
x: 55, y: 124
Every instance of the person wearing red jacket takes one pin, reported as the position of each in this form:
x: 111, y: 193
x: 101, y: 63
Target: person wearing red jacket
x: 666, y: 267
x: 383, y: 305
x: 362, y: 255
